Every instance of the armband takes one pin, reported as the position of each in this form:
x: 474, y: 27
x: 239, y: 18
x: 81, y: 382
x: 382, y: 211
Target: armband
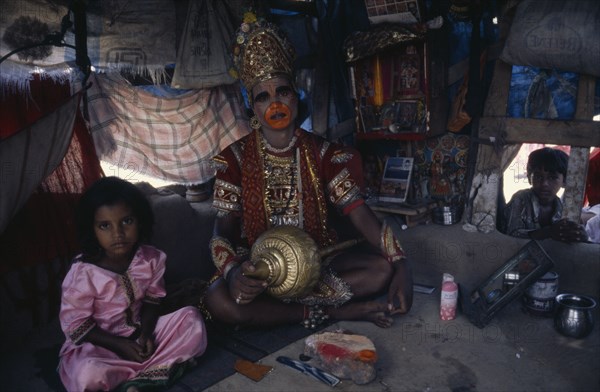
x: 390, y: 246
x: 222, y: 253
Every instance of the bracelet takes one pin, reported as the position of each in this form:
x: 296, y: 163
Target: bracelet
x: 229, y: 267
x: 314, y: 316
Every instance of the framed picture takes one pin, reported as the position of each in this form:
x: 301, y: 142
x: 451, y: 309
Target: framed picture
x: 409, y: 72
x: 387, y: 115
x: 410, y: 116
x: 368, y: 118
x: 407, y: 115
x: 395, y: 182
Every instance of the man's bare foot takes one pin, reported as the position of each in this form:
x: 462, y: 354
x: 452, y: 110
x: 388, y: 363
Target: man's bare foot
x: 366, y: 311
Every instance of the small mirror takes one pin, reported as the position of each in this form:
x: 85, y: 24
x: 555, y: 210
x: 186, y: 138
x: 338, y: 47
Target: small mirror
x: 506, y: 283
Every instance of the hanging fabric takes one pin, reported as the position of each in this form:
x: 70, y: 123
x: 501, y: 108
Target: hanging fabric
x: 24, y: 23
x: 44, y: 228
x: 170, y: 138
x: 31, y: 155
x: 134, y: 35
x: 203, y: 57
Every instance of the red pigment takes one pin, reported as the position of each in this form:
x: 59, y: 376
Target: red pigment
x: 332, y: 350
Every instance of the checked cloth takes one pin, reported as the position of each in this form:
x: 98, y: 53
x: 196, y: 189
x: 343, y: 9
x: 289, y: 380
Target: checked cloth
x: 170, y: 138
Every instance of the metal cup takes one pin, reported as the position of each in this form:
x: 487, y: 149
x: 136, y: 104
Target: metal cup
x: 574, y: 315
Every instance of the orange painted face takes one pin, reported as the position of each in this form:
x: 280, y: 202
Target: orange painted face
x: 278, y: 115
x: 275, y: 103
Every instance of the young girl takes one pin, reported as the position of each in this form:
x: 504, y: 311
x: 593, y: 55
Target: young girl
x: 110, y: 300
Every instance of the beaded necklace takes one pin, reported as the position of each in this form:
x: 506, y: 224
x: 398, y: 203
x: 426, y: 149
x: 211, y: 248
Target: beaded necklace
x: 278, y: 150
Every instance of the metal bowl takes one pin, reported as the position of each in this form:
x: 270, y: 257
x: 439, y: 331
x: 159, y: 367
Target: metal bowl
x: 574, y: 315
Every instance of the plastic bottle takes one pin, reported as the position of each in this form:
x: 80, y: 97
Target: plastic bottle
x: 449, y: 298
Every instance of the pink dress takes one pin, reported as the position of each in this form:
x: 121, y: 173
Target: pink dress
x: 93, y: 296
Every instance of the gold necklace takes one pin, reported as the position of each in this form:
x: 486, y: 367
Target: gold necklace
x: 283, y: 200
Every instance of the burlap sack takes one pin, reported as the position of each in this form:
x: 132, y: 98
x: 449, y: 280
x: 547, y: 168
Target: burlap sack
x: 563, y: 35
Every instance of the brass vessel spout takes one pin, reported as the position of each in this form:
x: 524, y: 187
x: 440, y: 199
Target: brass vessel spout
x: 261, y: 270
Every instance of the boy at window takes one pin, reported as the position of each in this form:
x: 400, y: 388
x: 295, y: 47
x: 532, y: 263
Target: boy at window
x: 536, y: 213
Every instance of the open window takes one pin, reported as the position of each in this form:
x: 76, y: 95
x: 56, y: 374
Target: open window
x: 514, y: 177
x: 501, y: 133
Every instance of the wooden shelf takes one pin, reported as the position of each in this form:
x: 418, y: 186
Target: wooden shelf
x: 409, y: 136
x: 412, y: 215
x: 402, y: 208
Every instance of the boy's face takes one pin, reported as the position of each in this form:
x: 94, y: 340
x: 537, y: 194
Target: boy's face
x: 546, y: 184
x: 116, y: 229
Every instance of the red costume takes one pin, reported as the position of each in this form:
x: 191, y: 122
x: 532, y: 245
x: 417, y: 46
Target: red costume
x: 294, y: 187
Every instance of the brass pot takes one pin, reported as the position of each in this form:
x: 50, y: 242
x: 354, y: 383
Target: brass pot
x: 289, y: 260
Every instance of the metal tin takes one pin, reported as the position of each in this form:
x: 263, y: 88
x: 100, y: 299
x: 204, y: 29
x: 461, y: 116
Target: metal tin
x: 446, y: 215
x: 539, y: 298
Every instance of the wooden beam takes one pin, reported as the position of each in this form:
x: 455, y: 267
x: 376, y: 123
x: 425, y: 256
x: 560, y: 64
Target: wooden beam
x: 496, y: 103
x: 575, y: 183
x: 579, y: 156
x: 581, y: 133
x: 482, y: 204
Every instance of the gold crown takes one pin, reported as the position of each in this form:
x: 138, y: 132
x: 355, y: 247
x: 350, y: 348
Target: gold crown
x: 261, y: 52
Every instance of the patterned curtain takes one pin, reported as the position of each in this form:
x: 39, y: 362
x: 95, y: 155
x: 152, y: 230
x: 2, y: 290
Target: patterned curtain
x: 173, y: 138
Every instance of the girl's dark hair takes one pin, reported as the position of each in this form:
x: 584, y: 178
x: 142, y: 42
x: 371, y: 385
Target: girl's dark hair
x: 110, y: 191
x: 548, y: 159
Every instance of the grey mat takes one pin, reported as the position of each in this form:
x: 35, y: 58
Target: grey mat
x: 228, y: 344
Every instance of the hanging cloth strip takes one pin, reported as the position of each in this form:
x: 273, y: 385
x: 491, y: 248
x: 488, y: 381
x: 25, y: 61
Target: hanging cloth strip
x: 30, y: 155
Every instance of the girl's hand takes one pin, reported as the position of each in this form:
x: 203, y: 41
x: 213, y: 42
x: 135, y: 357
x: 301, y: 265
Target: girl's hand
x: 129, y: 350
x: 243, y: 289
x: 147, y: 345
